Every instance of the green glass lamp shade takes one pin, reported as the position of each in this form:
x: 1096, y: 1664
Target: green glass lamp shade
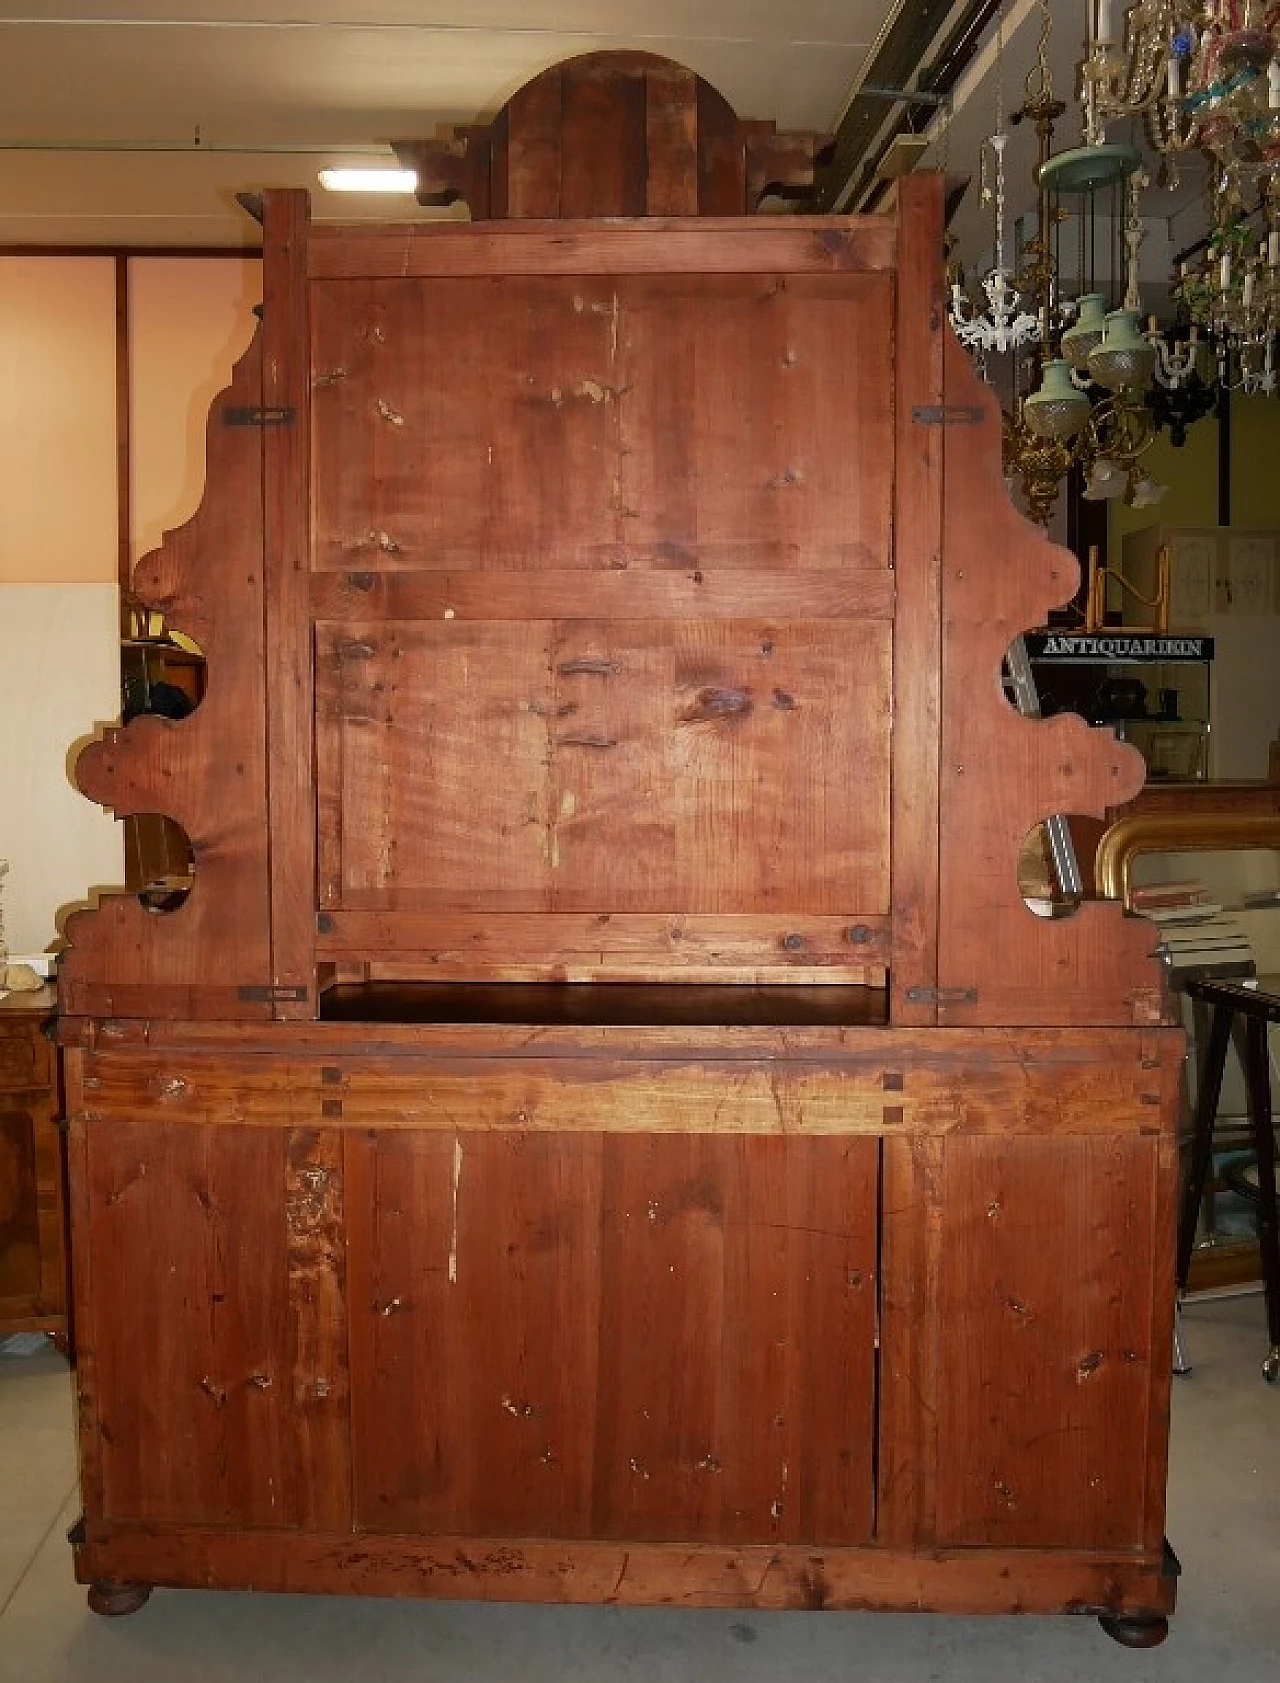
x: 1124, y: 358
x: 1056, y: 409
x: 1087, y: 330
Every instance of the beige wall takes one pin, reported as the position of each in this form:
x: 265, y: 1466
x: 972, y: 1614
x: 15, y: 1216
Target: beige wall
x: 59, y: 677
x: 190, y: 319
x: 57, y: 420
x: 1191, y: 475
x: 59, y: 613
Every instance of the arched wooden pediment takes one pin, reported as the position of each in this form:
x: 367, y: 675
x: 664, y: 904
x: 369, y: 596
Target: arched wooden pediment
x: 613, y: 134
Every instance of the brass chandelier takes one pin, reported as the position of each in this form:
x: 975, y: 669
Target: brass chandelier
x: 1082, y: 405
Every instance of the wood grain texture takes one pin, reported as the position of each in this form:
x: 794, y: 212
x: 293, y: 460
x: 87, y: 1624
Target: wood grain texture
x: 649, y: 588
x: 638, y: 1080
x: 917, y: 551
x: 208, y: 771
x: 555, y: 758
x: 1095, y: 966
x: 722, y: 161
x: 533, y: 147
x: 819, y: 245
x: 671, y: 141
x: 1012, y: 1409
x: 638, y: 1574
x: 286, y: 384
x: 611, y: 134
x: 748, y: 948
x: 195, y: 1375
x: 604, y: 162
x: 912, y: 1259
x: 677, y: 425
x: 1044, y: 1394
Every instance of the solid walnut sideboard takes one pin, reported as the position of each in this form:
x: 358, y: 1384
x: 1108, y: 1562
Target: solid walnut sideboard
x: 604, y: 1125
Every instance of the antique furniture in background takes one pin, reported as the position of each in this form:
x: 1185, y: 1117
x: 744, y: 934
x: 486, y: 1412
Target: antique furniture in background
x: 604, y: 1125
x: 33, y: 1256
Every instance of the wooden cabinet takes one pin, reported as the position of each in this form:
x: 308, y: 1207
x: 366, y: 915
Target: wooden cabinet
x: 33, y: 1263
x: 604, y: 1125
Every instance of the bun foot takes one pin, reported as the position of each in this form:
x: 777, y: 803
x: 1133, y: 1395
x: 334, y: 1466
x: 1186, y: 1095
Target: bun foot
x: 1135, y: 1630
x: 113, y: 1599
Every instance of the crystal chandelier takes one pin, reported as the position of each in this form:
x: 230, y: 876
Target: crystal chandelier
x: 1090, y: 365
x: 1234, y: 298
x: 1003, y: 325
x: 1206, y: 76
x: 1199, y: 72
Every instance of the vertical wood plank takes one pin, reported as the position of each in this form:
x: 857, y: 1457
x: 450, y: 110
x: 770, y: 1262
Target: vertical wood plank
x: 917, y: 630
x: 533, y: 148
x: 724, y: 1412
x: 722, y: 158
x: 1045, y: 1322
x: 602, y: 161
x: 911, y: 1264
x: 475, y: 1306
x: 83, y: 1289
x: 290, y: 729
x: 1163, y: 1055
x: 499, y: 165
x: 315, y: 1268
x: 671, y: 141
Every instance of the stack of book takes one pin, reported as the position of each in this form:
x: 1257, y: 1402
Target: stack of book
x: 1197, y: 937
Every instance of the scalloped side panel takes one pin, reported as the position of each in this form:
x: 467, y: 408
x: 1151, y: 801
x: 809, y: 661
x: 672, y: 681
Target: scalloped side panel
x: 206, y: 772
x: 1001, y: 774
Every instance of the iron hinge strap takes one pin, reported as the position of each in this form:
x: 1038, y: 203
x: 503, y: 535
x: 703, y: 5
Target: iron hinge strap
x: 265, y: 415
x: 942, y: 996
x: 947, y: 415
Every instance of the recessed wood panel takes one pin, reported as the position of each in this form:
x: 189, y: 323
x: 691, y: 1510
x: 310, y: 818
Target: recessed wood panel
x: 603, y: 421
x: 667, y: 1338
x: 575, y: 767
x: 1046, y: 1341
x: 209, y: 1275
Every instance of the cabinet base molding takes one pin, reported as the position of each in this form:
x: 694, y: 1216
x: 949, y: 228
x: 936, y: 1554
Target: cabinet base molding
x: 1125, y: 1590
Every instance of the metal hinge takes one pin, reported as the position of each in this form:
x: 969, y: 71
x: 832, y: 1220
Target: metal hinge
x: 942, y: 996
x: 271, y: 996
x: 266, y: 415
x: 947, y: 415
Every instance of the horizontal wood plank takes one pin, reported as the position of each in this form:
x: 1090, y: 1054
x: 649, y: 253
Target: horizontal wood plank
x: 707, y: 245
x: 533, y: 1090
x: 636, y: 1574
x: 463, y: 943
x: 636, y: 592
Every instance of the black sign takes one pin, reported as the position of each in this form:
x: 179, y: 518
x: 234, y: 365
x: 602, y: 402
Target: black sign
x: 1116, y: 647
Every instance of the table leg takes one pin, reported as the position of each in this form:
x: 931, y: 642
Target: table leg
x: 1202, y: 1137
x: 1258, y: 1077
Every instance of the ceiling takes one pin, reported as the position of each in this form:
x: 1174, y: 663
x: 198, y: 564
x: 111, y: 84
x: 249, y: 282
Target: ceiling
x: 134, y: 123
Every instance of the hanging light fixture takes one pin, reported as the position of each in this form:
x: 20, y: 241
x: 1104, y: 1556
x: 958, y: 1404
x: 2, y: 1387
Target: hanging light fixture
x: 1003, y: 325
x: 1204, y: 75
x: 1077, y: 400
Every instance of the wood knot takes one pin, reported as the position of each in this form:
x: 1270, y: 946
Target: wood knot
x: 712, y: 703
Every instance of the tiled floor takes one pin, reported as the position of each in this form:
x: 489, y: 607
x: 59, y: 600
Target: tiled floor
x: 1224, y: 1521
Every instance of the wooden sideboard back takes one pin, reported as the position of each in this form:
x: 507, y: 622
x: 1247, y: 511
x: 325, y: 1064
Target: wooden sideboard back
x: 607, y: 590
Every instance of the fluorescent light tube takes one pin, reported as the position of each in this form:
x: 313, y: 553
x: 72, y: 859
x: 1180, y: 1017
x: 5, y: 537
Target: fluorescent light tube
x: 369, y: 180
